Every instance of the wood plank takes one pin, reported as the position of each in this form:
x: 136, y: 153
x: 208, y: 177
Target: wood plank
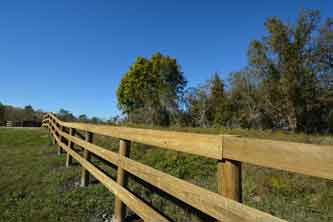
x: 308, y: 159
x: 122, y: 180
x: 194, y: 143
x: 69, y: 158
x: 80, y: 135
x: 208, y: 202
x: 229, y: 179
x: 138, y: 206
x: 87, y: 156
x: 99, y: 151
x: 59, y: 147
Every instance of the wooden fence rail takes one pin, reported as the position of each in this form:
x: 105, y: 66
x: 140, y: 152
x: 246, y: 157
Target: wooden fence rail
x: 229, y: 150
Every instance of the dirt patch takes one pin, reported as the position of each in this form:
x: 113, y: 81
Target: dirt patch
x: 101, y: 216
x: 69, y: 185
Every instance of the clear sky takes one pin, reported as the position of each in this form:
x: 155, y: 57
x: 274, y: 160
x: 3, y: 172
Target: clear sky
x: 72, y: 54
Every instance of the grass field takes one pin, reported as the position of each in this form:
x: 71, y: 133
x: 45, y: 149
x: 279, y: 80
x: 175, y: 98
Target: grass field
x: 35, y: 185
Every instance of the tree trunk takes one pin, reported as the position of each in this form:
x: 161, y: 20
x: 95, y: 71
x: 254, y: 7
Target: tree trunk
x: 292, y: 120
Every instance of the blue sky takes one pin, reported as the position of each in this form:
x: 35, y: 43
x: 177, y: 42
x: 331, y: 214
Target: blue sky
x: 72, y: 54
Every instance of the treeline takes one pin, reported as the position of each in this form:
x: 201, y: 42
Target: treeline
x: 17, y: 114
x: 68, y: 116
x: 288, y: 83
x: 28, y: 113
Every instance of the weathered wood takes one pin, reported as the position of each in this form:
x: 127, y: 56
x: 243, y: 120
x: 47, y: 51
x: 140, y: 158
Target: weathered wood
x: 53, y: 130
x: 195, y: 143
x: 120, y: 208
x: 59, y: 147
x: 146, y: 212
x: 268, y: 153
x: 229, y: 179
x: 99, y: 151
x: 70, y: 145
x: 308, y: 159
x: 87, y: 156
x: 208, y: 202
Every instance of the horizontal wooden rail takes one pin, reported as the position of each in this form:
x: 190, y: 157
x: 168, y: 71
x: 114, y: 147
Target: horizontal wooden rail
x: 309, y: 159
x: 199, y: 144
x: 213, y: 204
x: 208, y: 202
x: 138, y: 206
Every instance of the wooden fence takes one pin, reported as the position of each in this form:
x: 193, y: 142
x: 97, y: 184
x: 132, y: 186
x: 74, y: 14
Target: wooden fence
x: 22, y: 123
x: 230, y: 151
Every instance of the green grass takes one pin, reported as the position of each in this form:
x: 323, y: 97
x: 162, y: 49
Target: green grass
x: 35, y: 185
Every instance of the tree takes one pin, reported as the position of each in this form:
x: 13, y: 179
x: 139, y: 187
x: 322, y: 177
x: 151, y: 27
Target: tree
x: 28, y: 112
x: 207, y: 105
x: 246, y: 101
x: 66, y: 115
x: 219, y: 105
x: 83, y: 118
x: 151, y: 90
x: 95, y: 120
x: 17, y: 114
x: 287, y: 63
x: 197, y: 106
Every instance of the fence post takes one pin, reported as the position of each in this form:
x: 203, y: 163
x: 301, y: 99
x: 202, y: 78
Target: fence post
x: 230, y: 179
x: 61, y: 128
x: 119, y: 207
x: 70, y: 145
x: 87, y: 156
x: 53, y: 131
x: 49, y: 129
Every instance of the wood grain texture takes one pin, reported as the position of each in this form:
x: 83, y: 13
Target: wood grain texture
x: 60, y: 151
x: 138, y: 206
x: 308, y: 159
x: 70, y: 145
x: 194, y: 143
x: 229, y: 179
x: 211, y: 203
x: 208, y: 202
x: 122, y: 180
x: 87, y: 156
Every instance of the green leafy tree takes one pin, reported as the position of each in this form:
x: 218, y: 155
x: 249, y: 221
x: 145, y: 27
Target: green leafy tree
x: 208, y: 105
x: 83, y: 118
x: 287, y: 63
x: 96, y: 120
x: 151, y: 90
x: 66, y: 115
x: 219, y: 105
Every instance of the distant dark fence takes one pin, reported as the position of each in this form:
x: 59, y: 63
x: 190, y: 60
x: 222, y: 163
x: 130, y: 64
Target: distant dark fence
x: 24, y: 123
